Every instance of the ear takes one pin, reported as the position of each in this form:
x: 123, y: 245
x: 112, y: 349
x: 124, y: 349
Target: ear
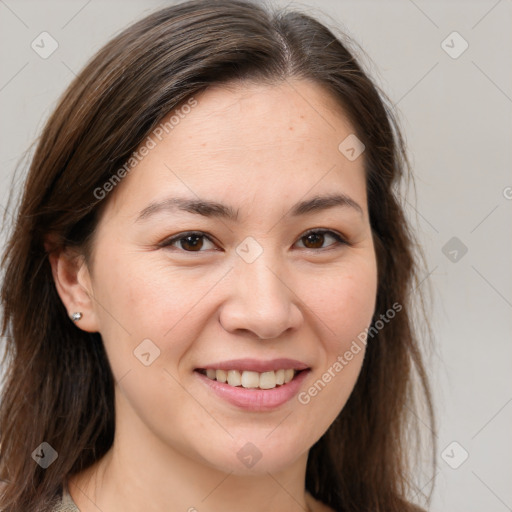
x: 74, y: 286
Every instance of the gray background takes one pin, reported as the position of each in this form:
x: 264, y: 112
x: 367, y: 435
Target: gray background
x: 456, y: 115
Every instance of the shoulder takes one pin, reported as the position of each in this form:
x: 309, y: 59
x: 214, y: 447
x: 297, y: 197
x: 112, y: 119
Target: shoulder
x: 315, y: 505
x: 61, y: 503
x: 65, y: 503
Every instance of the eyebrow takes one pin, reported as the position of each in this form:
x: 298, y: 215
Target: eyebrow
x: 214, y: 209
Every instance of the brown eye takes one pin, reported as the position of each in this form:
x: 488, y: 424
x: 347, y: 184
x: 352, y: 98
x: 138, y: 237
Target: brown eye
x: 313, y: 240
x: 191, y: 242
x: 316, y: 239
x: 188, y: 242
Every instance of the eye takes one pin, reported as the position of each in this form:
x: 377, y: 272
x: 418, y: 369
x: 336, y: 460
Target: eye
x: 188, y: 242
x: 196, y: 241
x: 315, y: 239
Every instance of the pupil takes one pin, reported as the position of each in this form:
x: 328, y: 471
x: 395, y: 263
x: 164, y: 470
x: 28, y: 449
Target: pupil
x: 187, y: 241
x: 313, y: 240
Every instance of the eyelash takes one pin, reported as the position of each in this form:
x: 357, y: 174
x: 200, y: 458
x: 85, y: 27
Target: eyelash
x: 339, y: 239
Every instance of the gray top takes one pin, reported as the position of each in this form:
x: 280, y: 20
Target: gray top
x: 65, y: 503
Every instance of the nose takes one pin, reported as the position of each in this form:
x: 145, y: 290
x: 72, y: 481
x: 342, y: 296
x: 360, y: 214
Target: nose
x: 261, y: 302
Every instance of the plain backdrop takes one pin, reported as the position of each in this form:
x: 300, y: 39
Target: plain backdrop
x: 453, y: 95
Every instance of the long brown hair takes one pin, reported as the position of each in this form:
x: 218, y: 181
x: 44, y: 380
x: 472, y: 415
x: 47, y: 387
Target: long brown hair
x: 58, y: 384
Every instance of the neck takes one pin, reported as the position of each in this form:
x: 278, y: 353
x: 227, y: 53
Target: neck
x: 141, y: 472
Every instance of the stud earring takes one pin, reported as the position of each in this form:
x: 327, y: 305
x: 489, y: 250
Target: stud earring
x: 76, y: 316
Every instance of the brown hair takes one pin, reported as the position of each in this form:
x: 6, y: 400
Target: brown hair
x: 59, y: 387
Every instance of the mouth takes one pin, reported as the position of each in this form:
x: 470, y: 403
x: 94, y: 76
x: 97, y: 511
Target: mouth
x: 251, y: 379
x: 254, y: 385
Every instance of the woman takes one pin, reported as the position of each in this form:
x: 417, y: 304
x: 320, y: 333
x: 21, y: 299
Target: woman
x: 208, y: 287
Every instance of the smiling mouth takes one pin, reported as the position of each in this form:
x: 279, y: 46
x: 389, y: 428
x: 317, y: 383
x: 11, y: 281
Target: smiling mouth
x: 250, y: 379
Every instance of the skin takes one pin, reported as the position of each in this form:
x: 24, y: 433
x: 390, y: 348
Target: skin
x: 259, y: 149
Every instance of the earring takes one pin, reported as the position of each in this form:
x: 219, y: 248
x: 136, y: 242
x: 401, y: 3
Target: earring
x: 76, y: 316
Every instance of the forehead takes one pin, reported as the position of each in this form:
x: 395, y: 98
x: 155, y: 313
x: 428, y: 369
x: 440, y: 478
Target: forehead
x: 243, y: 137
x: 251, y: 113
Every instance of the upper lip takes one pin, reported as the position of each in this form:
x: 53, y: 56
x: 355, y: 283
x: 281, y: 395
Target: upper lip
x: 256, y: 365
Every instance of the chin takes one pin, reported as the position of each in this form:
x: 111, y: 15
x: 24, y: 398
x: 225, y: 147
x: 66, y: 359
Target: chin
x: 257, y: 457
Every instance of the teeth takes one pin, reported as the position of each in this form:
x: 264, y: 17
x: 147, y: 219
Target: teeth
x: 221, y: 375
x: 252, y: 380
x: 234, y: 378
x: 268, y: 380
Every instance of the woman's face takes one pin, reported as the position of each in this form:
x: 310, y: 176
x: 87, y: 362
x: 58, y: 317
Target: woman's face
x: 250, y: 290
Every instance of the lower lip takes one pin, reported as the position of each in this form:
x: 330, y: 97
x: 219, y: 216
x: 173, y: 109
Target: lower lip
x: 256, y: 399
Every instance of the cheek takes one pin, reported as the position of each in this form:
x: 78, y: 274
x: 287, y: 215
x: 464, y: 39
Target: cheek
x: 344, y: 300
x: 144, y: 299
x: 344, y: 304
